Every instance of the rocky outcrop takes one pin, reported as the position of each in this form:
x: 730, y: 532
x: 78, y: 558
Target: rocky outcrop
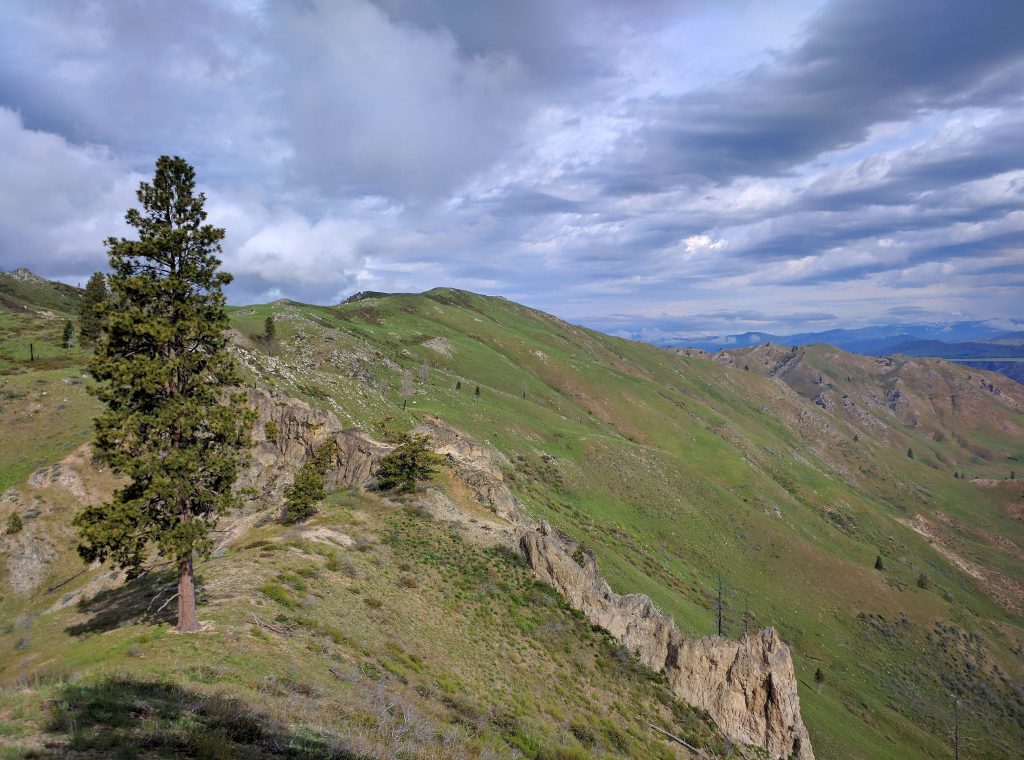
x: 300, y: 431
x: 473, y: 465
x: 748, y: 686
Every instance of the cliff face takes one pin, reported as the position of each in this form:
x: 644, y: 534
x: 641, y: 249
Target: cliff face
x: 748, y: 686
x: 301, y: 429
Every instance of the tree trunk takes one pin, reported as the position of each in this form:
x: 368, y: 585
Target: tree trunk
x: 187, y: 620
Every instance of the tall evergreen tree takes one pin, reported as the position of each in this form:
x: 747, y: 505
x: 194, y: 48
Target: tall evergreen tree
x: 170, y: 426
x: 91, y: 310
x: 69, y: 333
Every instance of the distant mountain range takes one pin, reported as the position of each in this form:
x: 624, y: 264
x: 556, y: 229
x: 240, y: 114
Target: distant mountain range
x: 982, y: 343
x: 876, y: 340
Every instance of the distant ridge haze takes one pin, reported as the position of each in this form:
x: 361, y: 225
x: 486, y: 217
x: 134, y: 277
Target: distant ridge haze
x: 875, y: 340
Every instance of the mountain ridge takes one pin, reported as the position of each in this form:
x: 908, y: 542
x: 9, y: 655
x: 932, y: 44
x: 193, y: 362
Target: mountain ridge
x: 671, y: 469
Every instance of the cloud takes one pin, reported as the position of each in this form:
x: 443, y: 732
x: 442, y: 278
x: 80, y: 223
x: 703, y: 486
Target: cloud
x: 860, y: 64
x: 716, y: 160
x: 60, y: 201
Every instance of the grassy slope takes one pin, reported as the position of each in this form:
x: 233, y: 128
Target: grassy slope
x: 411, y: 644
x: 673, y: 469
x: 44, y: 411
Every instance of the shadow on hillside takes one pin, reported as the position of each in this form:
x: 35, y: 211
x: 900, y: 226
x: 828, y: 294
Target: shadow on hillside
x: 123, y: 717
x: 147, y: 599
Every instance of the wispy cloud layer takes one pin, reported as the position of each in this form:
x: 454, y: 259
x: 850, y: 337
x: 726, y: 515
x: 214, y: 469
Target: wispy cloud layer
x: 708, y: 166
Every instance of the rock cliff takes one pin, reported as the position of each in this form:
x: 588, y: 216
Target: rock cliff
x: 748, y: 686
x: 475, y: 466
x: 300, y: 430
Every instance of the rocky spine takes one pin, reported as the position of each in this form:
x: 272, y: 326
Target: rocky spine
x: 748, y: 686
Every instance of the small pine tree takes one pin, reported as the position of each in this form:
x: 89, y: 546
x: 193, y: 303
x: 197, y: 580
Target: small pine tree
x: 458, y: 385
x: 269, y: 332
x: 309, y: 487
x: 14, y: 524
x: 878, y: 563
x: 410, y: 462
x: 303, y: 495
x: 923, y: 581
x: 69, y: 333
x: 477, y: 392
x: 1013, y: 475
x: 819, y: 679
x: 92, y: 310
x: 910, y: 453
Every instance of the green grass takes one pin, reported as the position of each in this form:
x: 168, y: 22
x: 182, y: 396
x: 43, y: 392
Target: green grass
x: 477, y: 656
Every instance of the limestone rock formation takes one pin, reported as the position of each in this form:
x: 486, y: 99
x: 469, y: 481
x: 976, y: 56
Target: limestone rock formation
x: 748, y: 686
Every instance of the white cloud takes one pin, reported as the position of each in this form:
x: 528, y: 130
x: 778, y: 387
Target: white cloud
x: 60, y: 200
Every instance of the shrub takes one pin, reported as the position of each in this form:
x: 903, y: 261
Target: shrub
x: 923, y: 581
x: 271, y: 431
x: 408, y: 581
x: 878, y: 563
x: 278, y: 593
x: 14, y: 524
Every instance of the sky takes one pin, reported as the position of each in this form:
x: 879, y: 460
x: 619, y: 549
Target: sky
x: 646, y: 167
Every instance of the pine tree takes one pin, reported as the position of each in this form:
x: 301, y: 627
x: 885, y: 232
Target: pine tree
x: 878, y: 563
x: 170, y: 426
x: 719, y: 606
x: 819, y: 679
x: 69, y: 333
x: 92, y: 309
x: 309, y: 489
x: 411, y: 461
x: 269, y: 332
x: 910, y: 453
x: 477, y: 393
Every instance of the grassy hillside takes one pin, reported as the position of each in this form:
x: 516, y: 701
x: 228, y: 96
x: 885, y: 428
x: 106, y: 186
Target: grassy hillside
x: 676, y: 468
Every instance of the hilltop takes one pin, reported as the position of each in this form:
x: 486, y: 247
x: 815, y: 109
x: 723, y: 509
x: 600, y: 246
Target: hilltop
x: 785, y: 472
